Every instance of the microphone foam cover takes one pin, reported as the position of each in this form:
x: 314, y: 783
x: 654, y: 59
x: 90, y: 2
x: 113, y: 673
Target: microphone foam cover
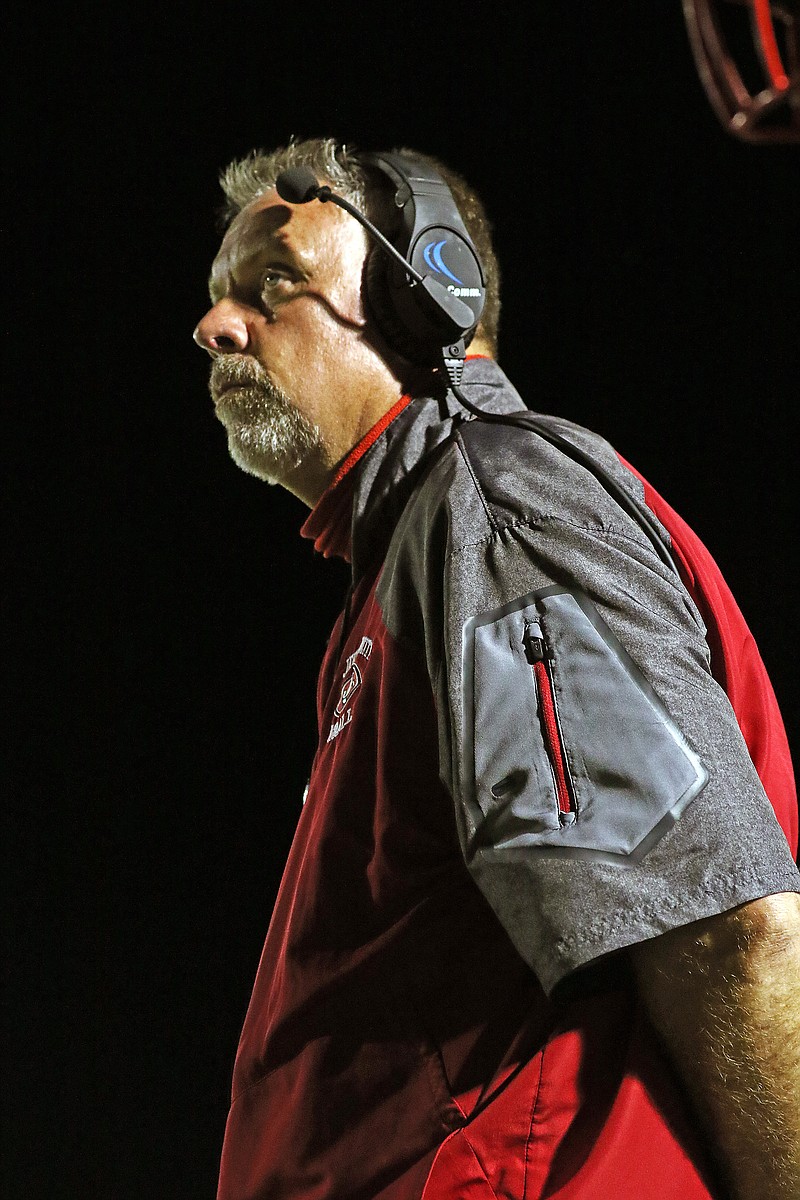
x: 298, y: 185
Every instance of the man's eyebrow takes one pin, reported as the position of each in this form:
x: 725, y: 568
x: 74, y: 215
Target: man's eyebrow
x: 277, y: 245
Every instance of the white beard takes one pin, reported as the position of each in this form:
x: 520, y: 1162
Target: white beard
x: 267, y: 435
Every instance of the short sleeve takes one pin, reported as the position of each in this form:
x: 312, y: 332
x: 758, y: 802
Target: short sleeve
x: 603, y: 791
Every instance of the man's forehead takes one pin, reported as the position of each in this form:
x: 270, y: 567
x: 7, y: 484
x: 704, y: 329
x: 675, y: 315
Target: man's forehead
x: 267, y: 224
x: 259, y: 225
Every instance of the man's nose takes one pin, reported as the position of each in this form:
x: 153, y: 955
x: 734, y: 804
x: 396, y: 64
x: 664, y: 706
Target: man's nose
x: 223, y: 330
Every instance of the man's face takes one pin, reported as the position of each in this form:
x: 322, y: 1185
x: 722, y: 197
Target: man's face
x: 294, y: 380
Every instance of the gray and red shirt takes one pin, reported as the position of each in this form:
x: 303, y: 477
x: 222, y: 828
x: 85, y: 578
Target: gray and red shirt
x: 531, y: 756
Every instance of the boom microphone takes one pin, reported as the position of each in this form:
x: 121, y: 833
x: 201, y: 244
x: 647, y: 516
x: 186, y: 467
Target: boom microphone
x: 298, y: 185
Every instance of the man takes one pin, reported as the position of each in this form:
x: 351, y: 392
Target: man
x: 538, y: 930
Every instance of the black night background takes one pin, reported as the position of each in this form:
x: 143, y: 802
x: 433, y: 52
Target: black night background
x: 165, y: 620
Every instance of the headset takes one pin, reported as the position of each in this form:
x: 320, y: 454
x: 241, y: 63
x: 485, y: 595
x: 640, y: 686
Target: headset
x: 427, y: 292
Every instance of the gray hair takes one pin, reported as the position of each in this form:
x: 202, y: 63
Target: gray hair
x: 244, y: 180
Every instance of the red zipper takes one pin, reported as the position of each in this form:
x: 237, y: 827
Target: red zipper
x: 537, y: 656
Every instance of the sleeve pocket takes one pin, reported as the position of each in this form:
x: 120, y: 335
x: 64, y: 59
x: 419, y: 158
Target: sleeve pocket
x: 567, y: 749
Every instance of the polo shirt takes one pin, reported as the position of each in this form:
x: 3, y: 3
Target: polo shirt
x: 538, y: 746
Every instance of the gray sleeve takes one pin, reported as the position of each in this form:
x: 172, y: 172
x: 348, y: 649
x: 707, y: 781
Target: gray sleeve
x: 603, y: 791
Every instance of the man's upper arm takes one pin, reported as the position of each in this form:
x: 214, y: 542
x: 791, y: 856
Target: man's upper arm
x: 670, y: 824
x: 724, y: 996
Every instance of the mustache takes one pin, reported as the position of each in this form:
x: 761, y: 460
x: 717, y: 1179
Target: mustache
x: 236, y: 370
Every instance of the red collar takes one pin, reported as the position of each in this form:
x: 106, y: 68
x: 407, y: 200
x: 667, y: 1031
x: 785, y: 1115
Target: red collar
x: 328, y: 523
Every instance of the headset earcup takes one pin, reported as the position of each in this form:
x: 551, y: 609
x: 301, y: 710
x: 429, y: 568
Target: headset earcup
x: 381, y: 309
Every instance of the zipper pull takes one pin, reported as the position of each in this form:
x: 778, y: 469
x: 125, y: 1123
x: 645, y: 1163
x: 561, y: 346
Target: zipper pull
x: 533, y: 642
x: 537, y: 656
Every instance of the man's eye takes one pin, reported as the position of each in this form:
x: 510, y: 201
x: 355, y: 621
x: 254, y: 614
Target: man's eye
x: 276, y: 286
x: 272, y: 278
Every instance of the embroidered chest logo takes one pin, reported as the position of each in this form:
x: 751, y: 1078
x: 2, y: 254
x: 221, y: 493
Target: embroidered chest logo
x: 351, y: 682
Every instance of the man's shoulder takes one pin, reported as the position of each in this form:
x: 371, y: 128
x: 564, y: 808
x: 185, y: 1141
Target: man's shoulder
x: 492, y: 475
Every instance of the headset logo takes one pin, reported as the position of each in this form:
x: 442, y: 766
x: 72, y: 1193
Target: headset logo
x: 433, y: 257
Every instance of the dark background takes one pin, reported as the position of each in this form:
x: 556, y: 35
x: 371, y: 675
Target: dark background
x: 168, y: 622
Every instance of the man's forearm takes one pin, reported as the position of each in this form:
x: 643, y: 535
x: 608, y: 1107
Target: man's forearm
x: 724, y: 996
